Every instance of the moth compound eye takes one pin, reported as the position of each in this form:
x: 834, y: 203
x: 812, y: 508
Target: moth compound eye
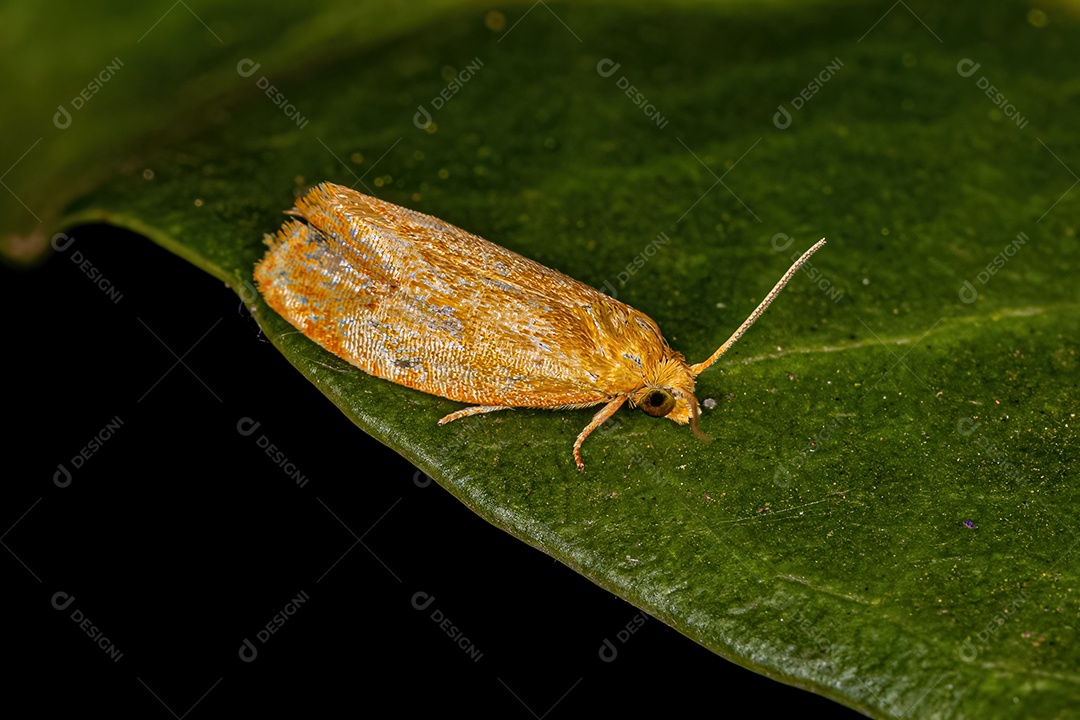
x: 658, y: 403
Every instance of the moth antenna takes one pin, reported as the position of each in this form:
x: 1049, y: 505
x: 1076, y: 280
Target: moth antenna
x: 702, y: 366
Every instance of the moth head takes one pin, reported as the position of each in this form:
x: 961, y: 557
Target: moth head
x: 669, y: 392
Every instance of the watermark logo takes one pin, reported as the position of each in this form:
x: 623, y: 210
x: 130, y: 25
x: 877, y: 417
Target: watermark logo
x: 61, y: 242
x: 248, y: 650
x: 782, y: 118
x: 966, y: 427
x: 635, y: 265
x: 63, y: 476
x: 968, y: 649
x: 247, y: 293
x: 641, y: 457
x: 422, y: 601
x: 968, y: 67
x: 810, y: 628
x: 781, y: 242
x: 247, y: 427
x: 608, y: 650
x: 248, y: 67
x: 968, y: 293
x: 423, y: 119
x: 608, y: 67
x: 62, y: 118
x: 62, y: 601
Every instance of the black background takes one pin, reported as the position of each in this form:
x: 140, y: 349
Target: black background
x: 180, y: 538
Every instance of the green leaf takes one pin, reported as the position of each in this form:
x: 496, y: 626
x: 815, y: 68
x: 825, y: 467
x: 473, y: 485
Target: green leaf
x: 886, y: 515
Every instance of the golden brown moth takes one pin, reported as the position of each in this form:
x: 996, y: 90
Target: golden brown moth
x: 409, y: 298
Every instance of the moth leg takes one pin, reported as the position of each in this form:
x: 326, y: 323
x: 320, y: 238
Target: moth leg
x: 474, y: 410
x: 599, y: 419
